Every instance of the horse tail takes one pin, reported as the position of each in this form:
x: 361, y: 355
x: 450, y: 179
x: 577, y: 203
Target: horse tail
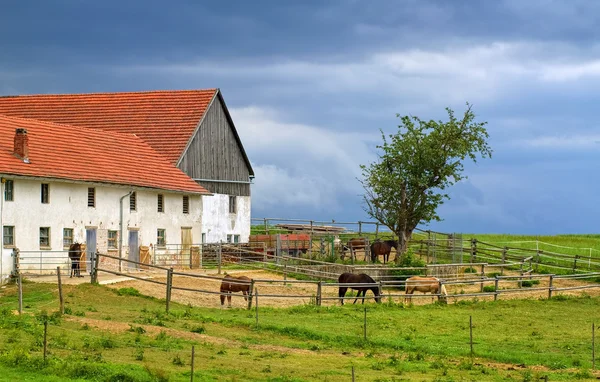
x: 443, y: 290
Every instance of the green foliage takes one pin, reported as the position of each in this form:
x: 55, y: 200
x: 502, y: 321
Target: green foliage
x: 408, y: 183
x: 128, y: 292
x: 470, y: 270
x: 489, y: 288
x: 198, y: 329
x: 529, y: 283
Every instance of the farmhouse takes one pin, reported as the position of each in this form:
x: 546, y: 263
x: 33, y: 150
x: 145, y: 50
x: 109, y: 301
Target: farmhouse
x: 192, y: 129
x: 62, y: 184
x: 120, y: 170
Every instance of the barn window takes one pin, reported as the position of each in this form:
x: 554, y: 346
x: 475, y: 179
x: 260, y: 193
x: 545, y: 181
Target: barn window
x: 232, y: 204
x: 203, y: 237
x: 112, y: 239
x: 236, y: 238
x: 161, y: 203
x: 9, y: 190
x: 45, y: 193
x: 132, y: 201
x: 186, y: 204
x: 161, y: 237
x: 229, y: 238
x: 67, y: 237
x: 45, y: 237
x: 91, y: 197
x: 9, y: 235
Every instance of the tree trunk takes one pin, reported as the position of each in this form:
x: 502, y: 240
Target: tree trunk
x: 403, y: 238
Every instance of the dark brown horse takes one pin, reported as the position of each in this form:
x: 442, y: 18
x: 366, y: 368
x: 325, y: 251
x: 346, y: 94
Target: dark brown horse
x: 75, y: 254
x: 352, y: 278
x: 384, y: 248
x: 234, y: 284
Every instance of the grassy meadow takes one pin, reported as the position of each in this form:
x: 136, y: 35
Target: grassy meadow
x: 111, y: 334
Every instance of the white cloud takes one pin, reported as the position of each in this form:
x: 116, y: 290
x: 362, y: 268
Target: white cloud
x: 300, y: 165
x: 567, y: 142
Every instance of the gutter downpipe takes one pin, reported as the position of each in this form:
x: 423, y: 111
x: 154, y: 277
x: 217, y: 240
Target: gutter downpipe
x: 121, y: 229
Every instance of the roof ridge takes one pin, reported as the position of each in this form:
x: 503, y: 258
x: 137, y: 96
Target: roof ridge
x: 112, y: 93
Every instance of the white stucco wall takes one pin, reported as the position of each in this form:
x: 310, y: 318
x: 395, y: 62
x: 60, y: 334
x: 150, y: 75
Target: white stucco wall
x: 218, y: 222
x: 68, y: 209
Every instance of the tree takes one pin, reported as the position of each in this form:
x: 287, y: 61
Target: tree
x: 416, y: 166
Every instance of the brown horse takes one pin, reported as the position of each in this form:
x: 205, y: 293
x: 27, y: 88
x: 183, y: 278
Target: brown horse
x: 384, y: 248
x: 353, y: 245
x: 234, y: 284
x: 351, y: 278
x: 426, y: 285
x: 75, y: 254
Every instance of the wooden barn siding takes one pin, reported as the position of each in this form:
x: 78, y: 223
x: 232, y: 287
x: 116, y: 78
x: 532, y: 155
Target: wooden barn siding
x: 215, y: 154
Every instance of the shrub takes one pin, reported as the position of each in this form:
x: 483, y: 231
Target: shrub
x: 529, y: 283
x: 489, y: 288
x: 198, y: 329
x: 470, y: 270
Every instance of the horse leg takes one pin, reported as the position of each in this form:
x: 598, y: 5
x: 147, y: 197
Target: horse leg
x: 229, y: 299
x: 222, y: 299
x: 245, y: 295
x: 358, y: 296
x: 342, y: 294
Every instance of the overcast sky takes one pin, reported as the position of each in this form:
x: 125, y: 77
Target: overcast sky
x: 310, y: 84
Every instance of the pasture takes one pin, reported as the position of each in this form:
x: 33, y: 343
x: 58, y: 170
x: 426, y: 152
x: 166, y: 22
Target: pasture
x: 119, y: 333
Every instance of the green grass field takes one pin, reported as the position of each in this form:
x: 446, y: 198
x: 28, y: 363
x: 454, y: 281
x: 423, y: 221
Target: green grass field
x: 118, y: 335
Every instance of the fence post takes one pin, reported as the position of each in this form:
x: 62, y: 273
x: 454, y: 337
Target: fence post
x: 351, y: 252
x: 496, y: 288
x: 482, y: 277
x: 266, y: 227
x: 250, y: 294
x: 593, y: 347
x: 575, y: 263
x: 537, y: 260
x: 504, y: 253
x: 471, y: 334
x: 256, y: 307
x: 380, y: 289
x: 192, y: 362
x: 169, y: 285
x: 60, y: 293
x: 359, y: 228
x: 219, y: 256
x: 550, y: 286
x: 428, y: 244
x: 20, y: 281
x: 94, y: 277
x: 16, y: 261
x: 45, y: 338
x: 319, y: 287
x: 285, y: 260
x: 473, y: 250
x: 376, y: 230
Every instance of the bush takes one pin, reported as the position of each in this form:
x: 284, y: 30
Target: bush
x: 529, y: 283
x: 489, y: 288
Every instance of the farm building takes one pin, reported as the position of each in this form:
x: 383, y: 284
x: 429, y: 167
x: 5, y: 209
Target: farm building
x: 121, y: 170
x: 192, y: 129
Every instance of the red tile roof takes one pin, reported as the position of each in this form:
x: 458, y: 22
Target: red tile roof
x: 165, y: 119
x: 80, y: 154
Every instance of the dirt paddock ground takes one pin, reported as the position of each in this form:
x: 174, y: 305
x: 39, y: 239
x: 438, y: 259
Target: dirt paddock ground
x: 308, y: 291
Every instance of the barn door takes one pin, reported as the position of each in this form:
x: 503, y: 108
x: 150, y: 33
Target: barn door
x: 186, y: 243
x: 134, y: 249
x: 90, y: 250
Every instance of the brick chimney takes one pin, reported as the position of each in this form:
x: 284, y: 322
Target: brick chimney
x: 22, y: 145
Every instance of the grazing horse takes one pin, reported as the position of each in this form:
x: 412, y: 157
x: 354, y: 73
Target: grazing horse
x: 383, y: 248
x: 353, y: 245
x: 75, y: 254
x: 426, y: 285
x: 234, y: 284
x: 351, y: 278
